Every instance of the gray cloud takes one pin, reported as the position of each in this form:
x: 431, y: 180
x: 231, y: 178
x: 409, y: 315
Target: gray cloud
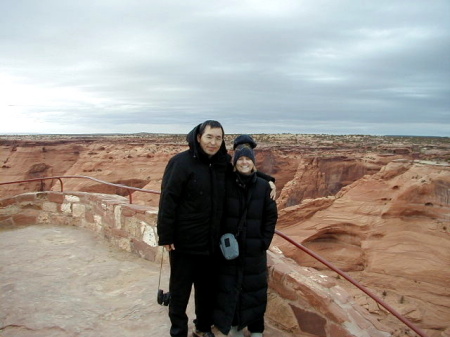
x: 256, y: 66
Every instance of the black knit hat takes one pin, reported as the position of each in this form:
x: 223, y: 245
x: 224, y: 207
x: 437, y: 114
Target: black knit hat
x: 243, y: 151
x: 244, y: 139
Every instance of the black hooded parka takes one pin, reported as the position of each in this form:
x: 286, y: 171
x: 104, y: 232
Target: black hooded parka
x: 191, y: 201
x: 242, y: 282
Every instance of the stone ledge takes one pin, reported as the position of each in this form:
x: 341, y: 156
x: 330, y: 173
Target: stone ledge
x: 131, y: 227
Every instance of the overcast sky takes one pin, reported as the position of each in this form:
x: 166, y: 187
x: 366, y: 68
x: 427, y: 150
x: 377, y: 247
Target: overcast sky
x: 258, y: 66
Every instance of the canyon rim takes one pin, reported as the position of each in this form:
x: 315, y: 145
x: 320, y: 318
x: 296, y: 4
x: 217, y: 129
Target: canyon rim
x: 376, y: 207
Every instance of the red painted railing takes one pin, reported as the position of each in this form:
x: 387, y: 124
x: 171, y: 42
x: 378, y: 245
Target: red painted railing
x: 287, y: 238
x: 355, y: 283
x: 129, y: 189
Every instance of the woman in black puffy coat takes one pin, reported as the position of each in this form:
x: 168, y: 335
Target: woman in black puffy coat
x: 242, y: 282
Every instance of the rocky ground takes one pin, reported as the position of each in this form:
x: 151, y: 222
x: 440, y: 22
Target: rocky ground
x: 377, y: 207
x: 59, y: 281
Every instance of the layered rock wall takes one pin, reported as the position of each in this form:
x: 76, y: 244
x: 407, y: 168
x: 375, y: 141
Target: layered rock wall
x: 391, y: 231
x: 305, y: 166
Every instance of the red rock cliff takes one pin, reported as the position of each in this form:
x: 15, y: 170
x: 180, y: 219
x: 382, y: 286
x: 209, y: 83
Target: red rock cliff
x: 367, y: 204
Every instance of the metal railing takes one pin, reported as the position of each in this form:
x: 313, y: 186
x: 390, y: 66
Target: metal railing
x: 354, y: 282
x: 287, y: 238
x: 129, y: 189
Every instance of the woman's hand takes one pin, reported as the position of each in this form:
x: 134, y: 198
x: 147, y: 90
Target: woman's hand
x: 273, y: 192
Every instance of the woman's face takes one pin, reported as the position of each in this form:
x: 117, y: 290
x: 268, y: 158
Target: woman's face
x: 244, y: 165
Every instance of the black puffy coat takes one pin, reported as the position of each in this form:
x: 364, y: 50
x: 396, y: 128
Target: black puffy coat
x: 242, y: 283
x: 191, y: 201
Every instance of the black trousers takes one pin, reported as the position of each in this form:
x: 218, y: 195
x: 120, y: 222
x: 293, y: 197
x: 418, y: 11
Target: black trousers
x: 187, y: 270
x: 257, y: 326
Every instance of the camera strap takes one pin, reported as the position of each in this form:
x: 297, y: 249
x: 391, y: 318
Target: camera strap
x: 160, y: 267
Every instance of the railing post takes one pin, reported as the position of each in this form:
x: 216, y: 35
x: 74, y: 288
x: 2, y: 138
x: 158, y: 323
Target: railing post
x: 61, y: 184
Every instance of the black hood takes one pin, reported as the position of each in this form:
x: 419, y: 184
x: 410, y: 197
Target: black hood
x: 195, y: 148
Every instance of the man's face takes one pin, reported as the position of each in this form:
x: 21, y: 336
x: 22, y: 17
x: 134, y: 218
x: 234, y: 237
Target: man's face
x: 211, y: 140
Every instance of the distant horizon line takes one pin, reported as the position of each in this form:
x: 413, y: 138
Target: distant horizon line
x: 183, y: 134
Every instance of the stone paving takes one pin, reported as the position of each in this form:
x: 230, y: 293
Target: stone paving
x: 60, y: 281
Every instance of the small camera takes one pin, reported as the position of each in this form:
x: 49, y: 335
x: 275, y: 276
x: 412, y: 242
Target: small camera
x: 163, y: 298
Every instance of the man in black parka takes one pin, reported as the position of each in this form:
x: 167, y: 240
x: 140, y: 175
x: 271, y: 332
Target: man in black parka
x: 190, y: 210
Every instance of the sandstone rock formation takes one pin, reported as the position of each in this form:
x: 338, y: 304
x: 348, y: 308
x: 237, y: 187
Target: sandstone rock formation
x: 376, y: 207
x: 389, y: 230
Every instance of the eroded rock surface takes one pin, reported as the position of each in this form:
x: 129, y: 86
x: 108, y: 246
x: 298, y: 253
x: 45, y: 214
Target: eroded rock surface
x: 389, y: 230
x: 377, y: 207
